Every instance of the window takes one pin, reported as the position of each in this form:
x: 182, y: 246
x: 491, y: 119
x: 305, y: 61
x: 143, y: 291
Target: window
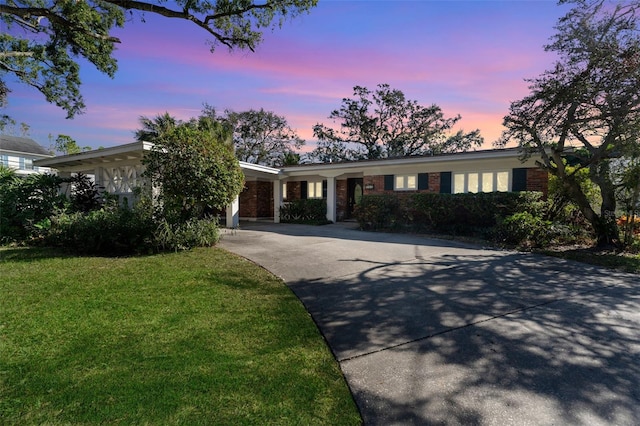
x: 472, y: 182
x: 487, y: 182
x: 4, y: 160
x: 458, y: 183
x: 405, y: 182
x: 314, y: 190
x: 502, y: 181
x: 284, y: 191
x: 480, y: 182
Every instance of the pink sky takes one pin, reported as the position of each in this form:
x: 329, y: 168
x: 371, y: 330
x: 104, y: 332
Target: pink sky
x: 469, y: 57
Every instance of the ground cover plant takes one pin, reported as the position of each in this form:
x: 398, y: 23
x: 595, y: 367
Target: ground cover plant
x: 194, y: 337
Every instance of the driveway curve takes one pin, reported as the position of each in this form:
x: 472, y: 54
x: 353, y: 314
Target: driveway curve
x: 430, y: 331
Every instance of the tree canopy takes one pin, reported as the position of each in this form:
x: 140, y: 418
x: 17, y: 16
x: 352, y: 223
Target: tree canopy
x: 263, y: 137
x: 192, y: 164
x: 383, y: 123
x: 585, y: 112
x: 42, y: 40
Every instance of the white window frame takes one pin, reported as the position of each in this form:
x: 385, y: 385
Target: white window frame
x: 314, y: 189
x: 408, y: 182
x: 461, y: 181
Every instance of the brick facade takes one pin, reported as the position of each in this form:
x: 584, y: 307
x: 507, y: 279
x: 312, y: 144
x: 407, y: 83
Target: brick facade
x: 294, y: 191
x: 257, y: 199
x: 378, y: 185
x: 342, y: 198
x: 538, y: 180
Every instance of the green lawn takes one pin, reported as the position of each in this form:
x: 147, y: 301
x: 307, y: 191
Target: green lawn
x: 625, y: 262
x: 198, y: 337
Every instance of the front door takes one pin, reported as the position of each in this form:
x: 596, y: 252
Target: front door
x: 354, y: 194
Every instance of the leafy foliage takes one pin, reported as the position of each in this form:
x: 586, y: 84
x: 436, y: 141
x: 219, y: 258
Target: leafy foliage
x: 193, y: 165
x: 42, y: 40
x: 25, y: 202
x: 110, y: 230
x: 183, y: 236
x: 66, y: 145
x: 262, y: 137
x: 310, y: 211
x: 383, y: 123
x: 590, y: 99
x: 457, y: 213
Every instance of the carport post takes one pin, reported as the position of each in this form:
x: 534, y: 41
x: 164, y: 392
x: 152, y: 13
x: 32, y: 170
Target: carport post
x: 277, y: 200
x: 233, y: 213
x: 331, y: 199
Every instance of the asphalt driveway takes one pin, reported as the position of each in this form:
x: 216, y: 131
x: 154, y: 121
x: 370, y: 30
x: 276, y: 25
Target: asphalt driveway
x: 435, y: 332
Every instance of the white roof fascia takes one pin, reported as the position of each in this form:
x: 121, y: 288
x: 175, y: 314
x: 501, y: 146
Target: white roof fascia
x: 24, y: 154
x: 135, y: 147
x: 259, y: 168
x: 387, y: 162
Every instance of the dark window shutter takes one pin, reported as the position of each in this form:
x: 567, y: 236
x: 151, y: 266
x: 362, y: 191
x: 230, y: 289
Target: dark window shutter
x: 324, y: 189
x: 303, y: 190
x: 423, y: 181
x: 388, y: 182
x: 519, y: 180
x: 445, y: 182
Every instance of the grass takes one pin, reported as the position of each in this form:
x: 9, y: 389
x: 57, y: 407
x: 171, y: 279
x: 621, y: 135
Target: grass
x: 198, y: 337
x: 625, y: 262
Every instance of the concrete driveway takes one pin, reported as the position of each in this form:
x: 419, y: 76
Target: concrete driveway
x: 435, y: 332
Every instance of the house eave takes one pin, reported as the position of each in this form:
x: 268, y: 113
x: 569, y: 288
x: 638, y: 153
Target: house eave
x: 131, y: 151
x: 404, y: 161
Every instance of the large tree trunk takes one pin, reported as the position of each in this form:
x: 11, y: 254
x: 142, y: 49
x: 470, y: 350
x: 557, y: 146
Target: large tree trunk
x: 607, y: 232
x: 604, y: 225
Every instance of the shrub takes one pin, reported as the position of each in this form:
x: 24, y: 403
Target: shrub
x: 310, y: 211
x: 380, y: 212
x: 453, y: 213
x: 110, y: 230
x: 25, y: 202
x: 186, y: 235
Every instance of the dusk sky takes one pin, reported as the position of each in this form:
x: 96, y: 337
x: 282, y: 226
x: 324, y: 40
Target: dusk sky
x: 468, y: 57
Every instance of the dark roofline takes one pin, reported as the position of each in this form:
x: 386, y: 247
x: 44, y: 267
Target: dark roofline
x: 409, y: 159
x: 21, y: 145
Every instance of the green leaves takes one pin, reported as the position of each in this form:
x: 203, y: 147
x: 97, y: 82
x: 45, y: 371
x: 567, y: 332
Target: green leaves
x: 263, y: 137
x: 383, y: 124
x: 589, y: 100
x: 193, y: 166
x: 42, y: 40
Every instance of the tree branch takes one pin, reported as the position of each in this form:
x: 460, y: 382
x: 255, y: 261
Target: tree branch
x: 27, y: 12
x: 184, y: 14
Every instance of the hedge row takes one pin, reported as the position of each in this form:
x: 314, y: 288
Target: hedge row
x: 311, y: 210
x: 457, y: 213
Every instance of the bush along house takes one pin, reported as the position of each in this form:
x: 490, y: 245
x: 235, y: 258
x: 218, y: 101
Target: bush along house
x: 336, y: 186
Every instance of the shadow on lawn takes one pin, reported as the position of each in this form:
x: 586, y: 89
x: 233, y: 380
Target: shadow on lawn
x: 477, y: 339
x: 30, y: 254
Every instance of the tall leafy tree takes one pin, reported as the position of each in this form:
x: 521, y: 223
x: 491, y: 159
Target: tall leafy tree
x: 263, y: 137
x: 192, y: 164
x: 585, y: 112
x: 42, y: 40
x: 383, y: 123
x: 66, y: 145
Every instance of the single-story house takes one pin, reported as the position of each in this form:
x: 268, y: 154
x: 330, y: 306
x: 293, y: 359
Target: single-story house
x: 19, y: 153
x: 118, y: 170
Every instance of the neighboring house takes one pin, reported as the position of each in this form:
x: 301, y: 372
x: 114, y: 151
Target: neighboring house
x: 118, y: 170
x: 19, y: 153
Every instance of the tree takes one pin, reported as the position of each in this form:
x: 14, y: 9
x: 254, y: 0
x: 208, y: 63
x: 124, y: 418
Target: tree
x: 383, y: 123
x: 66, y: 145
x: 263, y: 137
x: 42, y: 39
x: 193, y: 165
x: 585, y: 111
